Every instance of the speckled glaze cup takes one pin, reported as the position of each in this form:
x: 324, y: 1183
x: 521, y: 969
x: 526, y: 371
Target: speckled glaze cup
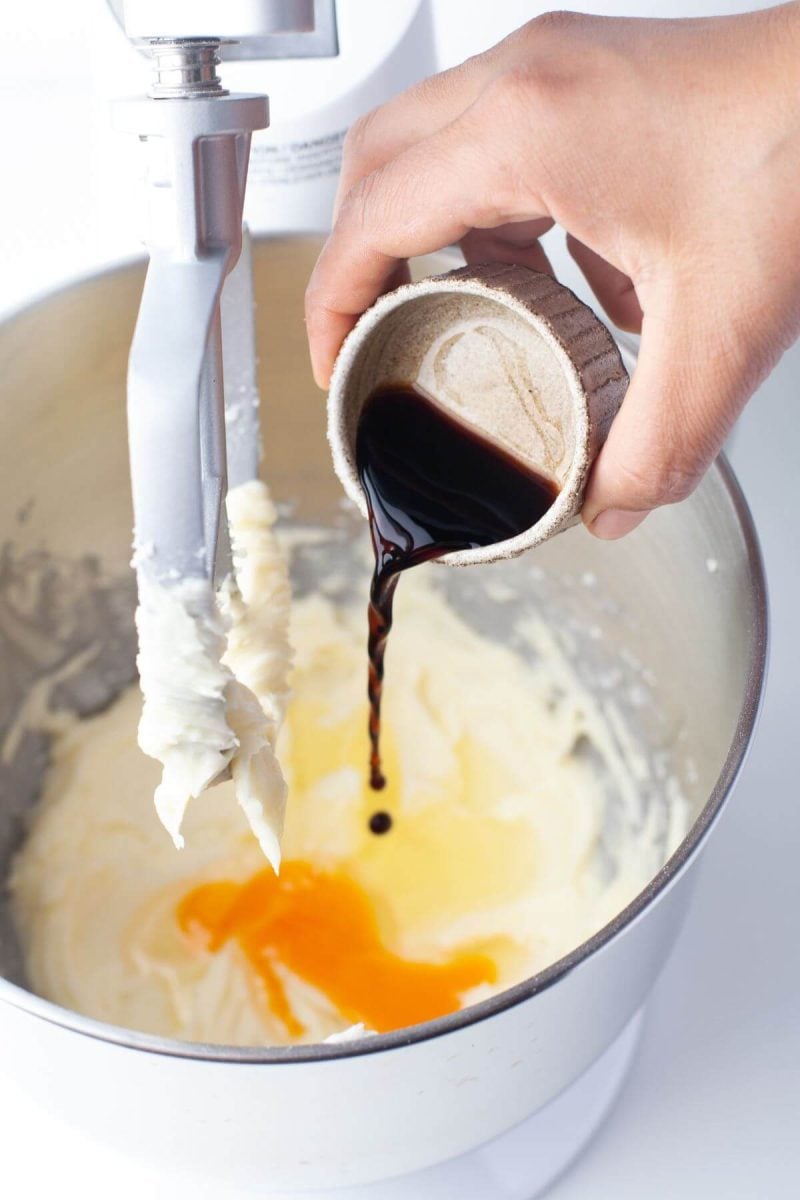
x: 506, y: 350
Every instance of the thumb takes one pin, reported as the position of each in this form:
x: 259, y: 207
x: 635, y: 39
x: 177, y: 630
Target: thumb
x: 688, y: 388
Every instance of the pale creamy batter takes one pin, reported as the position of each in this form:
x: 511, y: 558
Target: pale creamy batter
x: 213, y: 672
x: 493, y: 856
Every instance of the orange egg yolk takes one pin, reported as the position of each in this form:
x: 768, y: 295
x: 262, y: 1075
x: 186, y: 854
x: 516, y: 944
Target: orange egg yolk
x: 322, y: 927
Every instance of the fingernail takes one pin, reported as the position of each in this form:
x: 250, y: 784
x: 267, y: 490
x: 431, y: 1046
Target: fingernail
x: 615, y: 523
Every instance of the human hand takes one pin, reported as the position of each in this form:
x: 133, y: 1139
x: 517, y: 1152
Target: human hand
x: 670, y: 153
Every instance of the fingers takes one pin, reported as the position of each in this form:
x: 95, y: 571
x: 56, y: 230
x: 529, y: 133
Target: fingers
x: 415, y: 114
x: 514, y: 243
x: 373, y: 141
x: 429, y: 196
x: 613, y: 288
x: 688, y: 388
x: 422, y: 110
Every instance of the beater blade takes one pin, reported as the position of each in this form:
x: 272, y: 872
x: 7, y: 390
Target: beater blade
x: 197, y: 168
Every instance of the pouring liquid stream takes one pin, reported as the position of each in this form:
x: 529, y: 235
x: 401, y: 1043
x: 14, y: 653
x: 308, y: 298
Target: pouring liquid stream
x: 433, y: 485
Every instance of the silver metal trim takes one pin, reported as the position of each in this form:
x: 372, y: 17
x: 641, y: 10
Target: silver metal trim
x: 184, y: 68
x: 321, y: 42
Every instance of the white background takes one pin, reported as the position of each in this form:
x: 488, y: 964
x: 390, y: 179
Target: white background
x: 712, y: 1107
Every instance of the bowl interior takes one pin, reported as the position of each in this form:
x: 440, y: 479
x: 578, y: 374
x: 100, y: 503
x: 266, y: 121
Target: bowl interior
x: 668, y: 621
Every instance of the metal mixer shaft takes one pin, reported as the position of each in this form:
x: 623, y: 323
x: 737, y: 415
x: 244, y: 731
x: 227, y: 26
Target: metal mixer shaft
x: 197, y: 141
x: 198, y: 148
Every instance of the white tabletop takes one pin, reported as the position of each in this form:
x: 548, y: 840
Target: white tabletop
x: 712, y: 1107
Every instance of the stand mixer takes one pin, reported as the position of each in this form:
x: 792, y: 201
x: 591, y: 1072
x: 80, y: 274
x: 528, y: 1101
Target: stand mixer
x: 193, y: 432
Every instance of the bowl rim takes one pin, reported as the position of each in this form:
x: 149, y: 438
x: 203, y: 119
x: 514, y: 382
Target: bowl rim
x: 36, y: 1006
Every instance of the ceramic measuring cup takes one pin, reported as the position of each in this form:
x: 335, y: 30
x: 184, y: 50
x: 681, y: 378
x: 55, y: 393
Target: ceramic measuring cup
x: 507, y: 351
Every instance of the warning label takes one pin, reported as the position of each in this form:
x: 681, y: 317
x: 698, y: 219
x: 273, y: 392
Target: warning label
x: 297, y: 162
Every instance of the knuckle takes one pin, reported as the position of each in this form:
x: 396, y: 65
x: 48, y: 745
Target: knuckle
x: 557, y: 22
x: 505, y: 98
x: 529, y: 92
x: 358, y: 207
x: 521, y: 121
x: 359, y: 137
x: 573, y: 61
x: 547, y: 33
x: 551, y: 89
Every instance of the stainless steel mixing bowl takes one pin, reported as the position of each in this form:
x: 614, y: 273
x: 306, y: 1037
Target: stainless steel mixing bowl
x: 677, y: 609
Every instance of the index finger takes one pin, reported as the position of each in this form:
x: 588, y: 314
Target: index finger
x: 422, y: 110
x: 427, y: 197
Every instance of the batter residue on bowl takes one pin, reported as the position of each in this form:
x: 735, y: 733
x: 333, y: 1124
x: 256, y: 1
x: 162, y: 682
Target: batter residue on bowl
x: 481, y: 867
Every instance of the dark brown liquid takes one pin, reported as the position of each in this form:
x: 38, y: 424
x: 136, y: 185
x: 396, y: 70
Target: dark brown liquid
x: 432, y: 486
